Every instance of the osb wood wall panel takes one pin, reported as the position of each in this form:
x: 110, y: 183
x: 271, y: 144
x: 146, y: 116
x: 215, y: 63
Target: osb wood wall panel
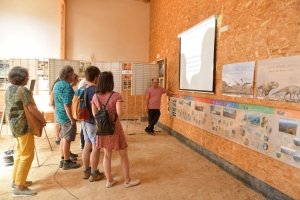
x: 257, y: 30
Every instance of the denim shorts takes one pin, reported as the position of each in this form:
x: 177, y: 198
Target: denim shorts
x: 89, y: 132
x: 68, y: 131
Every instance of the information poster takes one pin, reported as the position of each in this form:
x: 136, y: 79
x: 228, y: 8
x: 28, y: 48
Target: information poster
x: 270, y: 131
x: 237, y: 79
x: 279, y: 79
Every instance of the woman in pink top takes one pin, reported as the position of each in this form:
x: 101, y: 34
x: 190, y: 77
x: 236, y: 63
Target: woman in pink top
x: 117, y: 141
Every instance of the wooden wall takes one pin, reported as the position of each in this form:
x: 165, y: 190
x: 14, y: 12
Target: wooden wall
x: 257, y: 30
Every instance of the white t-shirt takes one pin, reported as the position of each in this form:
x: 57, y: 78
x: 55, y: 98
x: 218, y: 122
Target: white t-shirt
x: 81, y: 83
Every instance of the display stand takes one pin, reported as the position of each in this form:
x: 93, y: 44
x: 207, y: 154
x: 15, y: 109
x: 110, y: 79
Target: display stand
x: 2, y: 119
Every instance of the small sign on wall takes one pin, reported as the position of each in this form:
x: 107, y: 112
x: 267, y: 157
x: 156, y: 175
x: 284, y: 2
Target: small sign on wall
x: 82, y: 56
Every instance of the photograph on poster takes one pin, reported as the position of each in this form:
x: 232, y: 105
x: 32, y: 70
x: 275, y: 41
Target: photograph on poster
x: 243, y: 131
x: 258, y: 145
x: 256, y: 127
x: 268, y: 129
x: 278, y: 154
x: 4, y: 68
x: 231, y: 113
x: 296, y: 157
x: 258, y: 135
x: 199, y: 106
x: 287, y: 151
x: 297, y: 141
x: 266, y: 138
x: 251, y: 118
x: 264, y: 121
x: 265, y: 146
x: 278, y: 79
x: 237, y: 79
x: 216, y: 110
x: 187, y: 103
x: 288, y: 126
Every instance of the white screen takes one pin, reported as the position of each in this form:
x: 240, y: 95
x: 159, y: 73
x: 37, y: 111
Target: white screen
x: 197, y: 50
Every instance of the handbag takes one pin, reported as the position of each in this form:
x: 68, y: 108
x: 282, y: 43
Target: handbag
x: 35, y: 125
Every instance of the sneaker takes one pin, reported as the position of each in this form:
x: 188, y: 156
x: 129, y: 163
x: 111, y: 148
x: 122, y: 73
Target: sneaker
x: 73, y: 154
x: 87, y: 174
x: 61, y: 164
x: 132, y: 183
x: 96, y: 177
x: 70, y: 165
x: 72, y: 158
x: 57, y: 142
x: 23, y: 193
x: 27, y: 183
x: 150, y: 132
x: 110, y: 184
x: 8, y: 153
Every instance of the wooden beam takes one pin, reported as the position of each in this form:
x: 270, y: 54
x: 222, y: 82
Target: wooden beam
x: 63, y: 30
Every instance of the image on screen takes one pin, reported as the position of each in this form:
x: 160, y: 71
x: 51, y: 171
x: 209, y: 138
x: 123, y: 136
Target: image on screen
x: 197, y: 57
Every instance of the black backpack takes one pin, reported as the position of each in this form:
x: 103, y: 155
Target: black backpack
x: 103, y: 124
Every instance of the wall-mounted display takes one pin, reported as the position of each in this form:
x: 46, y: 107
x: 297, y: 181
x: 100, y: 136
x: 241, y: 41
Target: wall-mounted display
x: 115, y: 68
x: 237, y: 79
x: 4, y: 68
x: 278, y: 79
x: 197, y: 51
x: 142, y: 75
x: 126, y: 76
x: 162, y: 72
x: 32, y: 65
x: 270, y: 131
x: 82, y: 67
x: 55, y: 66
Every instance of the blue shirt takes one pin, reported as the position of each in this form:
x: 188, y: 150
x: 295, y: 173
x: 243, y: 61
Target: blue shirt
x: 63, y: 94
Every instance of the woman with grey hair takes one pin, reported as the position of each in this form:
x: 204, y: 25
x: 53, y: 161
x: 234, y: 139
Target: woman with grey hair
x: 14, y: 110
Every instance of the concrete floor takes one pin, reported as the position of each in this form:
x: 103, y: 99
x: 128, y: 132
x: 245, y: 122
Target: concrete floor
x: 167, y: 170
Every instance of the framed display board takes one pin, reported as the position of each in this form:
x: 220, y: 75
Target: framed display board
x: 116, y: 69
x: 162, y: 72
x: 4, y: 68
x: 126, y: 76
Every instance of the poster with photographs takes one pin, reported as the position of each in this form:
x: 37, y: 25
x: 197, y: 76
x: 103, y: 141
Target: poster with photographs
x: 4, y: 68
x: 267, y: 130
x: 184, y: 110
x: 278, y: 79
x: 237, y: 79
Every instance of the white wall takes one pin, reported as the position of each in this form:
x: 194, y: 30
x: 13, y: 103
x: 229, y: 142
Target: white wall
x: 107, y: 29
x: 29, y: 28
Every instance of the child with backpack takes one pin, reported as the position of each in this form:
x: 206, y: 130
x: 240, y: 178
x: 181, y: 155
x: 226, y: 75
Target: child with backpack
x: 117, y: 141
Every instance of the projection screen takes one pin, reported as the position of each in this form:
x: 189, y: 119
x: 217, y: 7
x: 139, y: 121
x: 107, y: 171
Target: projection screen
x: 197, y: 57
